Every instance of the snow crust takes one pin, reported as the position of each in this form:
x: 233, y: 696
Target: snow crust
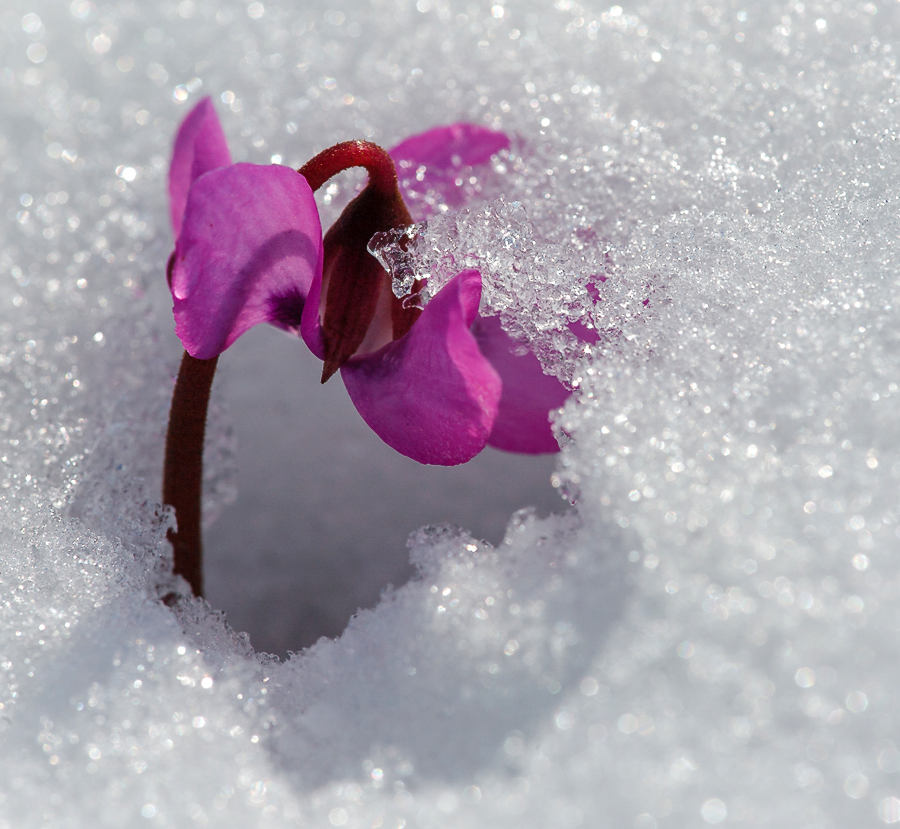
x: 696, y: 227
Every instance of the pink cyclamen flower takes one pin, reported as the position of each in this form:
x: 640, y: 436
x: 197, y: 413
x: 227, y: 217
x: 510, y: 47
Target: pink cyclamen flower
x: 436, y: 385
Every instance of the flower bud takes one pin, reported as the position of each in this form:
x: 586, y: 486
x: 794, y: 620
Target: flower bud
x: 358, y: 308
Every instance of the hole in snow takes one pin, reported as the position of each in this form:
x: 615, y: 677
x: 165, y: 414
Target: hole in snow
x: 324, y: 508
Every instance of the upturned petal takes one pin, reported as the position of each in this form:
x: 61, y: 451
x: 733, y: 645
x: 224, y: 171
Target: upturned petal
x: 200, y: 146
x: 443, y: 152
x: 431, y: 395
x: 249, y: 249
x: 529, y: 395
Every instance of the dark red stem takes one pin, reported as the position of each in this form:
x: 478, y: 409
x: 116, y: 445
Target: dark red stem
x: 343, y: 156
x: 183, y: 467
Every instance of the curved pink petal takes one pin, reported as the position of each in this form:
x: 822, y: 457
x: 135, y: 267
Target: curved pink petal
x: 529, y: 395
x: 450, y: 147
x: 431, y: 161
x: 431, y: 395
x: 249, y: 249
x: 200, y: 146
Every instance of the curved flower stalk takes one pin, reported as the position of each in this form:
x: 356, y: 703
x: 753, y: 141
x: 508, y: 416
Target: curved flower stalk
x: 437, y: 384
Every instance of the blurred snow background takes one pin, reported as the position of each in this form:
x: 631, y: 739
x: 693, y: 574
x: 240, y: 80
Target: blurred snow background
x: 696, y: 227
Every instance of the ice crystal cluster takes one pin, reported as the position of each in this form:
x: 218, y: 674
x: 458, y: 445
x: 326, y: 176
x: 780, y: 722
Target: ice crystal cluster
x: 696, y: 227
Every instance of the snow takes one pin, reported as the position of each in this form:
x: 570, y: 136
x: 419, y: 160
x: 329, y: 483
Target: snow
x: 695, y: 227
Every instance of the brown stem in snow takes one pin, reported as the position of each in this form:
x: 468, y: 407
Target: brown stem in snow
x: 183, y: 466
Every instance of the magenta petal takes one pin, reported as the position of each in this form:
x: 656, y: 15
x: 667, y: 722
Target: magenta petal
x: 200, y: 146
x: 431, y: 395
x: 249, y: 249
x: 529, y: 395
x: 447, y: 148
x: 431, y: 161
x: 311, y: 323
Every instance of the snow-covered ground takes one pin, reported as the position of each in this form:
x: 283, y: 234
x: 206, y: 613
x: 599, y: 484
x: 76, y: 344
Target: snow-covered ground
x: 707, y: 637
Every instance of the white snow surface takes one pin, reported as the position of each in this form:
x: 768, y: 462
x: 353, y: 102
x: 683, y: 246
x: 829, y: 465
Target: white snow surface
x: 707, y: 637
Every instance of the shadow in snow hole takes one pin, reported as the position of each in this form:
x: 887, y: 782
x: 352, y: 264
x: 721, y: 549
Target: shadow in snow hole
x: 324, y: 508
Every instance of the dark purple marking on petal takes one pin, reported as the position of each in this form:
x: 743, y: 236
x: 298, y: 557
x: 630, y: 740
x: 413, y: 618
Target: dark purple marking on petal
x: 286, y: 309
